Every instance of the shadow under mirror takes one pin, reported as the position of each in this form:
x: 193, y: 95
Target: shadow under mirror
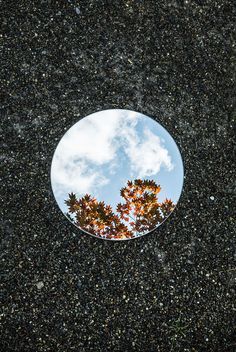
x: 117, y: 174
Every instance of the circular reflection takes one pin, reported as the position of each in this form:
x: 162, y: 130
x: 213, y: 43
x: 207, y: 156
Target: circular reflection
x: 117, y: 174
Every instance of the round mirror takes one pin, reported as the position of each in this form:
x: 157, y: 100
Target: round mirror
x: 117, y: 174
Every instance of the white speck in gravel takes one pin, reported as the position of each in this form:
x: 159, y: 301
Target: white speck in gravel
x: 39, y: 285
x: 212, y: 198
x: 77, y: 10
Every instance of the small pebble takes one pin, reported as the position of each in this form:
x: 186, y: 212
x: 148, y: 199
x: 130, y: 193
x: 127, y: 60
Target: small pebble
x: 40, y: 285
x: 77, y: 10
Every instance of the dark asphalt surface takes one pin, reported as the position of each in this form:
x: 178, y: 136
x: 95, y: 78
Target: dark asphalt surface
x: 173, y: 290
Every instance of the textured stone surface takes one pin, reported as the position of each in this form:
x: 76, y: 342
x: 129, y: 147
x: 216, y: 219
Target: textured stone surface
x: 173, y: 290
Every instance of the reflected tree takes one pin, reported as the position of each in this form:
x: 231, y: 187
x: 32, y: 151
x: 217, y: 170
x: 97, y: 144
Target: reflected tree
x: 141, y: 208
x: 97, y: 218
x: 140, y: 211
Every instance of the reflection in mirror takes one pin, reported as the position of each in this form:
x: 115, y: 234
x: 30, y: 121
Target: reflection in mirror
x: 117, y: 174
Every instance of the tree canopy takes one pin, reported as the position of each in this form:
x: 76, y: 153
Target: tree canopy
x: 140, y: 211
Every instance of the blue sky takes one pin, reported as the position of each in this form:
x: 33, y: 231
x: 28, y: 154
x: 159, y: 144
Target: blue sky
x: 102, y: 151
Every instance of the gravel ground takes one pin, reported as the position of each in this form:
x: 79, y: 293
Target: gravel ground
x: 174, y: 289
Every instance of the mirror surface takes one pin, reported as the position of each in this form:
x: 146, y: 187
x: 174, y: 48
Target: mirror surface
x: 117, y: 174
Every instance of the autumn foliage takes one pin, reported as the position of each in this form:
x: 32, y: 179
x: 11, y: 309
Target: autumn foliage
x: 139, y: 213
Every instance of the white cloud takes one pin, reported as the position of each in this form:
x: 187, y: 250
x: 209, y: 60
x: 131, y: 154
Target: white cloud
x: 90, y: 139
x: 71, y: 175
x: 147, y: 155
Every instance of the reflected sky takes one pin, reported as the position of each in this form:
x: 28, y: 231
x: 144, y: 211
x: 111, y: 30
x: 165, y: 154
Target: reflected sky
x: 103, y: 150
